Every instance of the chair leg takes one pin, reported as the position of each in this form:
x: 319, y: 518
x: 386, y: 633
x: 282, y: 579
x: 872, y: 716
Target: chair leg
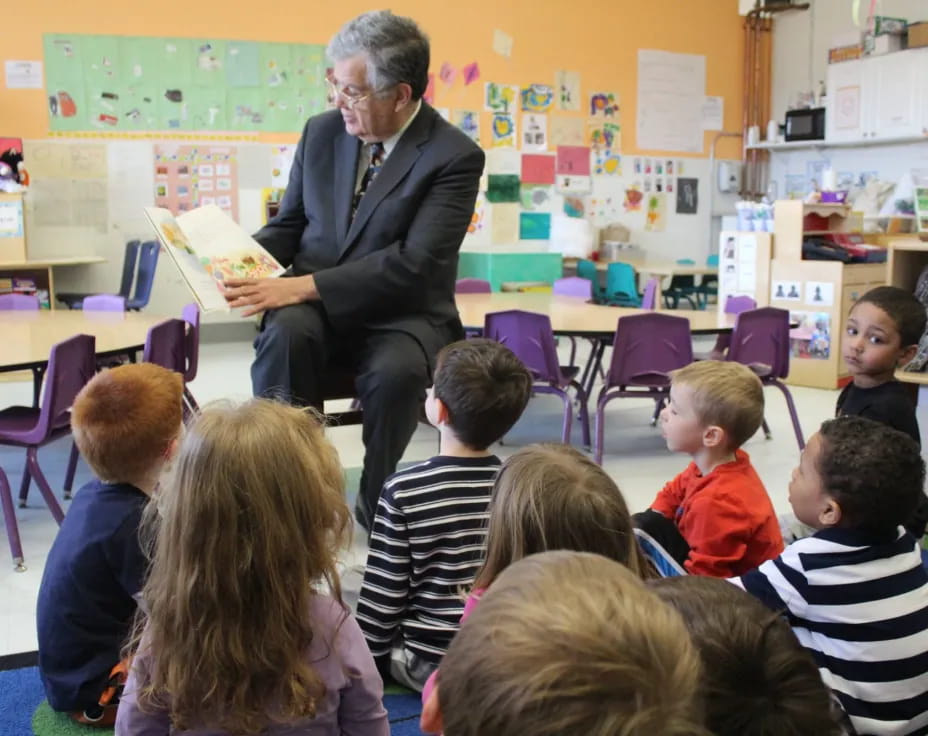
x: 584, y: 415
x: 800, y: 440
x: 72, y: 467
x: 658, y: 407
x: 600, y: 418
x: 24, y: 486
x: 33, y: 459
x: 37, y: 374
x: 568, y: 417
x: 768, y: 435
x: 9, y: 519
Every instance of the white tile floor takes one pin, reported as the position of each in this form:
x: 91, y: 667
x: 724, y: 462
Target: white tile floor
x: 635, y: 456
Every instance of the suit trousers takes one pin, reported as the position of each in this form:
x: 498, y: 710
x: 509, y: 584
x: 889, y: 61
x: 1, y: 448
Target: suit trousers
x: 297, y: 347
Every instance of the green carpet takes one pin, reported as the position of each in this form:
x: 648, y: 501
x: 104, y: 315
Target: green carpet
x: 47, y: 722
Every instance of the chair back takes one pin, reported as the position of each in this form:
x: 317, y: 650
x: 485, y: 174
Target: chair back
x: 191, y: 316
x: 148, y: 261
x: 620, y: 284
x: 104, y: 303
x: 472, y: 286
x: 739, y: 304
x: 529, y: 336
x: 574, y: 286
x: 649, y: 300
x: 586, y: 269
x: 19, y: 302
x: 71, y: 364
x: 761, y: 339
x: 165, y: 345
x: 647, y: 347
x: 129, y: 260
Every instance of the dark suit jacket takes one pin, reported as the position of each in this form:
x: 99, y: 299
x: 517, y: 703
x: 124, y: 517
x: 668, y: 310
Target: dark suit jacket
x: 394, y: 265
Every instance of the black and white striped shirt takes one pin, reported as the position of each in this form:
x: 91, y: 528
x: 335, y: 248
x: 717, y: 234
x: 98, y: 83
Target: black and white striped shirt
x: 859, y: 604
x: 426, y: 544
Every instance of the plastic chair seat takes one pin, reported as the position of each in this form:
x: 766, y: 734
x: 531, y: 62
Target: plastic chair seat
x: 19, y: 425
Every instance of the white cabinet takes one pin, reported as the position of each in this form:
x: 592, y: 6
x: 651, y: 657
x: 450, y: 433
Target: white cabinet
x: 897, y: 99
x: 922, y: 81
x: 849, y: 113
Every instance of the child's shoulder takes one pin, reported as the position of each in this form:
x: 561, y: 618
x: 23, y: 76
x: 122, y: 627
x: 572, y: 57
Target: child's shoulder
x: 440, y: 467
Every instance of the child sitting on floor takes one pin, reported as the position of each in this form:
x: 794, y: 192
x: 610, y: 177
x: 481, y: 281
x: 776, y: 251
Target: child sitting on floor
x: 126, y: 422
x: 246, y: 631
x: 568, y: 643
x: 715, y: 518
x: 855, y: 592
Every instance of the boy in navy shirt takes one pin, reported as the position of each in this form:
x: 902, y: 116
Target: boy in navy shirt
x: 126, y: 422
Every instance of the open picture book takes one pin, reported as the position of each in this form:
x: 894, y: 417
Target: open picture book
x: 209, y: 247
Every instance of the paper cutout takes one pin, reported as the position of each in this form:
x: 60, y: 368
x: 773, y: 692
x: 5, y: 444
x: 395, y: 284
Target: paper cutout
x: 468, y: 121
x: 503, y: 127
x: 504, y: 161
x: 573, y: 160
x: 633, y: 199
x: 574, y: 207
x: 536, y: 197
x: 502, y: 43
x: 448, y: 73
x: 603, y: 135
x: 534, y: 226
x: 534, y: 132
x: 568, y: 89
x: 604, y: 104
x: 504, y: 223
x: 471, y: 73
x: 538, y: 169
x: 500, y: 97
x: 687, y: 196
x: 537, y: 98
x: 502, y: 188
x: 566, y: 131
x: 657, y: 213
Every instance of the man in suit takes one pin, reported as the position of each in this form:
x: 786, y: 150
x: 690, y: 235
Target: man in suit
x: 380, y: 195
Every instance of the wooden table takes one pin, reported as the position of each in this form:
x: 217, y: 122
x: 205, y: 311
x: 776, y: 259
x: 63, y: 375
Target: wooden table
x: 40, y: 270
x: 657, y: 267
x: 28, y: 336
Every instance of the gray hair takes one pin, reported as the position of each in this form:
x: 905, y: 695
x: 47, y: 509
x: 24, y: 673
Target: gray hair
x: 395, y: 48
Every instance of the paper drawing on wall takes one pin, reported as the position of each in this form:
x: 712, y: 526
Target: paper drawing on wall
x: 657, y: 213
x: 604, y: 104
x: 536, y: 197
x: 534, y: 132
x: 570, y: 184
x: 820, y: 293
x: 573, y: 160
x: 603, y: 135
x: 607, y: 163
x: 633, y: 199
x: 537, y: 98
x: 812, y: 338
x: 574, y: 207
x: 504, y: 130
x: 568, y: 89
x: 687, y: 196
x: 500, y: 97
x: 447, y: 73
x: 534, y: 226
x: 468, y: 121
x: 538, y: 169
x: 470, y: 72
x: 502, y: 43
x: 565, y: 131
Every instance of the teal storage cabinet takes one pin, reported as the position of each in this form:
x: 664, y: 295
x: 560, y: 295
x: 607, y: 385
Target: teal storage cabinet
x: 500, y: 267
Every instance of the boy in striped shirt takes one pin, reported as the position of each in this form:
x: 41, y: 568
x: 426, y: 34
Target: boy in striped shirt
x: 855, y: 592
x: 428, y: 533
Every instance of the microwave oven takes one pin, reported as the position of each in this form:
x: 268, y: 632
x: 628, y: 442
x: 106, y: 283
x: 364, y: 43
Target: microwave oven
x: 805, y: 125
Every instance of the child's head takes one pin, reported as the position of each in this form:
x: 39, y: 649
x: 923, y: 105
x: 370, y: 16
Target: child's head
x: 568, y: 643
x: 551, y: 496
x: 859, y: 474
x: 480, y: 391
x: 250, y: 522
x: 757, y: 678
x: 882, y: 333
x: 712, y: 404
x: 126, y: 421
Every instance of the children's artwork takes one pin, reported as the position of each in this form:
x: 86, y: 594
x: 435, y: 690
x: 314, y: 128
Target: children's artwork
x: 921, y: 209
x: 470, y: 72
x: 534, y: 226
x: 820, y: 293
x: 538, y: 169
x: 574, y: 207
x: 534, y: 132
x: 447, y: 73
x: 281, y: 162
x: 603, y: 135
x: 536, y: 197
x: 687, y: 196
x: 568, y: 89
x: 786, y: 291
x: 502, y: 43
x: 812, y: 338
x: 633, y: 198
x: 797, y: 186
x: 566, y: 131
x: 504, y: 223
x: 656, y: 216
x: 502, y: 188
x: 573, y: 160
x: 183, y: 173
x: 570, y: 184
x: 537, y: 98
x: 468, y: 121
x: 477, y: 230
x: 504, y: 161
x: 606, y: 163
x: 503, y: 127
x: 814, y: 171
x: 500, y: 97
x: 604, y: 104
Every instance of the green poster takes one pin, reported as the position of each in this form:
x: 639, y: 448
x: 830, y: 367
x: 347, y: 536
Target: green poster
x: 308, y: 65
x: 209, y: 62
x: 207, y: 108
x: 246, y: 109
x: 64, y: 82
x: 243, y: 60
x: 175, y: 61
x: 276, y: 67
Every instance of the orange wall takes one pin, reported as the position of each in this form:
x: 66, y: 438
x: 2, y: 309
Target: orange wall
x: 598, y: 38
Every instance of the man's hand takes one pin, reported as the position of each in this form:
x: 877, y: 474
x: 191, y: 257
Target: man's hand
x: 259, y: 295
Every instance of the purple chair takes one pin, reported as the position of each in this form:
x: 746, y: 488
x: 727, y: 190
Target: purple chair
x: 760, y: 341
x: 649, y: 300
x: 19, y: 302
x: 733, y: 305
x: 646, y: 348
x: 191, y: 315
x: 70, y: 366
x: 578, y: 287
x: 165, y: 345
x: 104, y: 303
x: 530, y: 337
x: 472, y: 286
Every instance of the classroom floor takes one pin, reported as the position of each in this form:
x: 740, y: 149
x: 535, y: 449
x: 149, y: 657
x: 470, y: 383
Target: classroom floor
x: 635, y: 455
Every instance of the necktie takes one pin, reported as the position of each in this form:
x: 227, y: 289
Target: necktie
x: 373, y: 169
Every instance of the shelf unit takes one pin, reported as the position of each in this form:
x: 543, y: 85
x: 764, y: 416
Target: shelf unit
x: 810, y: 145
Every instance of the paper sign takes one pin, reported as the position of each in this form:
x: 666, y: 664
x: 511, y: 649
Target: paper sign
x: 471, y: 73
x: 24, y: 74
x: 573, y: 160
x: 502, y: 43
x: 538, y: 169
x: 713, y: 113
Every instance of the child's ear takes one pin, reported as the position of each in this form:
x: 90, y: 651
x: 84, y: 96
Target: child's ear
x: 830, y: 515
x: 430, y: 720
x: 714, y: 436
x: 906, y: 355
x: 441, y: 411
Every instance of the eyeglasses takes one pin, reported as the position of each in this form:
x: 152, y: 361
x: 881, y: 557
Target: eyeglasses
x: 351, y: 99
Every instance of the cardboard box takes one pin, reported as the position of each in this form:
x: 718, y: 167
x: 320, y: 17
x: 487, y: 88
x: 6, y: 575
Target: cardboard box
x: 885, y: 43
x: 884, y: 24
x: 918, y: 35
x: 12, y: 228
x: 844, y: 53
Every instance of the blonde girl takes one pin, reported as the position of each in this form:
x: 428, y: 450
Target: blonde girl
x: 240, y: 638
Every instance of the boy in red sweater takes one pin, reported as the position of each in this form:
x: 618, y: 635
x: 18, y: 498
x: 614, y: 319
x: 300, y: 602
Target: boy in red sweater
x: 715, y: 517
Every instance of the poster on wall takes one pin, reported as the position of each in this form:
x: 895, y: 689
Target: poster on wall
x: 820, y: 293
x: 187, y: 177
x: 811, y: 339
x: 786, y: 291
